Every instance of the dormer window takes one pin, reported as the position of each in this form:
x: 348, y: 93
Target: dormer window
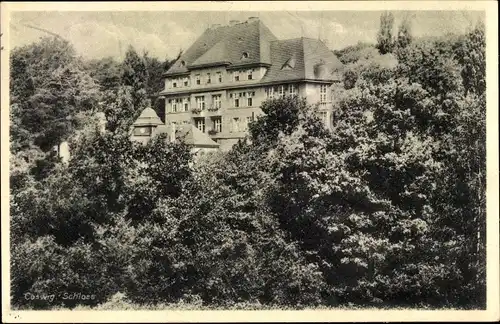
x: 289, y: 64
x: 183, y: 63
x: 244, y: 55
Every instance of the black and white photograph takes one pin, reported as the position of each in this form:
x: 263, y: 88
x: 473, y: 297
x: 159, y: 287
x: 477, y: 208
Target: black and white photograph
x: 252, y: 157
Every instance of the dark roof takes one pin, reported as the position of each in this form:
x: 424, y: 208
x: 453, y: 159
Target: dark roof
x: 291, y: 59
x: 302, y: 58
x: 189, y: 134
x: 227, y: 44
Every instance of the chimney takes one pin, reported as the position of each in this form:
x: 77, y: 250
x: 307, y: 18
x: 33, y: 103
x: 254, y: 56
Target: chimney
x: 233, y: 22
x: 252, y: 19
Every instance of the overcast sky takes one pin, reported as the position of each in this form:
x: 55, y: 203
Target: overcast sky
x: 163, y: 34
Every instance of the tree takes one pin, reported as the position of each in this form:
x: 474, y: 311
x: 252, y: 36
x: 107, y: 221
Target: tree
x: 135, y: 75
x: 404, y: 37
x: 385, y: 42
x: 106, y: 72
x: 49, y: 87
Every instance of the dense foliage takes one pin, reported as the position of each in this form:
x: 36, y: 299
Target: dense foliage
x: 386, y: 209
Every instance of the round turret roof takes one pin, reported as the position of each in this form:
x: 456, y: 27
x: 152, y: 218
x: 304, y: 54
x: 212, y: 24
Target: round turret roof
x: 148, y: 117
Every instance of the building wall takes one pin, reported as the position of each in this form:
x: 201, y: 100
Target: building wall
x: 234, y: 119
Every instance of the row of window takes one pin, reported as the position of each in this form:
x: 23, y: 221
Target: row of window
x: 241, y: 99
x: 281, y: 91
x: 210, y: 78
x: 216, y: 124
x: 238, y: 124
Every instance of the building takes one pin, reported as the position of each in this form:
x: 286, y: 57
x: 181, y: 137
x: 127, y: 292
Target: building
x: 148, y: 125
x: 219, y: 83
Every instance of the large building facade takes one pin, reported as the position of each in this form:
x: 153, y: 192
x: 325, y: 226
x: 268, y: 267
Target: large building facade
x: 219, y: 83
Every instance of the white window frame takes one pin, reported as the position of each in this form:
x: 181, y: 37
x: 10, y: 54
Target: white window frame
x: 324, y: 118
x: 270, y: 92
x: 200, y: 124
x: 292, y: 89
x: 200, y: 102
x: 281, y: 91
x: 218, y: 124
x: 322, y: 93
x: 173, y: 106
x: 217, y: 101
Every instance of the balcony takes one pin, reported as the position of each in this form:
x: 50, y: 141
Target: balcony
x: 196, y: 110
x: 214, y: 108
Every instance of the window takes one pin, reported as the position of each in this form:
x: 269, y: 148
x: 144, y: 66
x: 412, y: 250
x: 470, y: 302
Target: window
x: 174, y: 105
x: 281, y: 91
x: 324, y: 118
x: 236, y: 102
x: 174, y: 84
x: 322, y: 93
x: 270, y: 92
x: 244, y: 56
x: 197, y: 78
x: 186, y: 82
x: 292, y: 89
x: 216, y: 101
x: 200, y: 102
x: 217, y: 124
x: 249, y: 102
x: 236, y: 124
x: 250, y: 74
x: 142, y: 131
x: 219, y: 77
x: 209, y: 79
x: 236, y: 75
x: 185, y: 103
x: 200, y: 124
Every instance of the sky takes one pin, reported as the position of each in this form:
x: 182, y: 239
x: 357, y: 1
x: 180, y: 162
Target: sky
x: 164, y: 34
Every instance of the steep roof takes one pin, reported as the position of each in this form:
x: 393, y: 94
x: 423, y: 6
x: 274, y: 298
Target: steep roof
x: 190, y: 135
x: 148, y: 117
x: 302, y: 58
x: 291, y: 59
x: 227, y: 44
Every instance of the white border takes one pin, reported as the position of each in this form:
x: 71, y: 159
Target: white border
x: 493, y: 292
